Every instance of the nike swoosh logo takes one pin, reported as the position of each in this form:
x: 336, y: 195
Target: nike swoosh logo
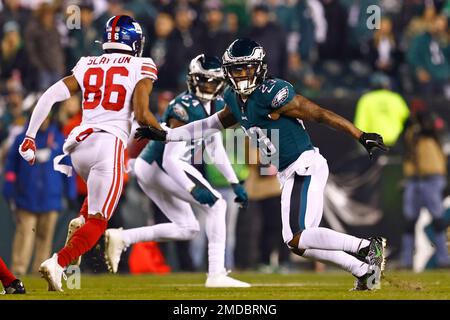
x: 378, y: 252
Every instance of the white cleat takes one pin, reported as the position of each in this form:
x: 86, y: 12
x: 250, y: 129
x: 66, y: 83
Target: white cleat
x: 74, y: 225
x: 222, y: 280
x: 52, y: 272
x: 114, y: 246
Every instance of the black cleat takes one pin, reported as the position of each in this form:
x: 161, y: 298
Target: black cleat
x: 370, y: 281
x: 16, y: 287
x: 373, y: 254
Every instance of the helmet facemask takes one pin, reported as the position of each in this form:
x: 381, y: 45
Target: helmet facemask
x: 205, y: 78
x: 205, y: 87
x: 245, y: 77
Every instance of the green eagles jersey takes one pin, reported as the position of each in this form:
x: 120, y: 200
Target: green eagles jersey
x: 281, y: 141
x: 186, y: 107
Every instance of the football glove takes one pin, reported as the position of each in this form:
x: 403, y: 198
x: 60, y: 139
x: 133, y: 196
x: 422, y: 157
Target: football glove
x: 371, y: 141
x: 150, y: 133
x: 27, y: 150
x: 203, y: 195
x: 241, y: 195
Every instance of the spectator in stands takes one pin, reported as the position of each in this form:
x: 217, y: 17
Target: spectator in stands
x: 186, y: 33
x: 272, y: 37
x: 13, y: 11
x: 429, y: 57
x: 419, y: 21
x: 167, y: 52
x: 425, y: 171
x: 383, y: 50
x: 12, y: 120
x: 358, y: 32
x: 382, y: 110
x: 43, y: 45
x: 35, y: 193
x: 215, y: 39
x: 14, y: 63
x: 336, y: 34
x: 82, y: 40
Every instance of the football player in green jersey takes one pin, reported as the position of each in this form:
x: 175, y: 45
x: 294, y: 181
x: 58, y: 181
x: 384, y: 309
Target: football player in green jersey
x: 175, y: 186
x: 269, y: 110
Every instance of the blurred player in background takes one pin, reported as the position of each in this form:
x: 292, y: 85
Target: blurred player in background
x: 258, y: 103
x: 113, y: 85
x: 11, y: 284
x: 174, y: 185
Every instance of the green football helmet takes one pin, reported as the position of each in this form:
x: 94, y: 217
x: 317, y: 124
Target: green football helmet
x: 244, y: 65
x: 205, y: 78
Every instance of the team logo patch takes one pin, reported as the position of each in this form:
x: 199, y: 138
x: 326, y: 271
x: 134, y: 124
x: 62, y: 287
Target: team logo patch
x: 137, y: 27
x: 280, y: 97
x: 181, y: 112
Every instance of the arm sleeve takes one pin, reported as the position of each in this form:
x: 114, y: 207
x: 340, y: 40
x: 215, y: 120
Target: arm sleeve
x: 196, y: 130
x: 173, y: 164
x: 56, y: 93
x: 216, y: 152
x: 147, y: 69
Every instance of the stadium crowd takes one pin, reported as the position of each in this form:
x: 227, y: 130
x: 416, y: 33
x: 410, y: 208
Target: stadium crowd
x: 324, y: 47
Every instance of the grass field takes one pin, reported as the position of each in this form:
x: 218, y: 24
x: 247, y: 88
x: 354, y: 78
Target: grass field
x: 190, y: 286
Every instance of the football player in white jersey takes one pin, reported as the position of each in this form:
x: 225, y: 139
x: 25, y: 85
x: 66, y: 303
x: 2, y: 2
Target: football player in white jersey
x: 115, y: 87
x: 177, y: 187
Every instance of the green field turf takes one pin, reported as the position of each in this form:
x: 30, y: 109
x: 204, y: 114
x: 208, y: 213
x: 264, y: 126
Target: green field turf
x: 188, y: 286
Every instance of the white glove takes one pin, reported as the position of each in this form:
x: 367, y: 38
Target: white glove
x: 27, y: 150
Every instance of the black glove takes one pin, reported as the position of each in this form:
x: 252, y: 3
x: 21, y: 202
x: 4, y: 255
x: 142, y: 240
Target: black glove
x: 370, y: 141
x: 241, y: 195
x: 150, y: 133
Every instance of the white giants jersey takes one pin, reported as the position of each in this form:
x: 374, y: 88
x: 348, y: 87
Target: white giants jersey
x: 107, y: 83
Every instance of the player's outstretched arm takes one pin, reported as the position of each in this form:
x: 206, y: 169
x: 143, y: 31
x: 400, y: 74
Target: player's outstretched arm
x: 60, y: 91
x: 302, y: 108
x: 192, y: 131
x: 141, y: 104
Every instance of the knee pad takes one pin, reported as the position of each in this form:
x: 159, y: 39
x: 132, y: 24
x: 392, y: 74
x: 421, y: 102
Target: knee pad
x: 410, y: 225
x: 439, y: 225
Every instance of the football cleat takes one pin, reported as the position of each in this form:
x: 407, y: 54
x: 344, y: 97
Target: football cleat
x: 222, y: 280
x: 52, y: 272
x: 114, y: 246
x: 74, y: 225
x: 369, y: 281
x: 16, y: 287
x: 374, y: 254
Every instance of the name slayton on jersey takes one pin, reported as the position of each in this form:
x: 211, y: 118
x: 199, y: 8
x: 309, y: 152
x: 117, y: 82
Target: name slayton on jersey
x: 280, y: 97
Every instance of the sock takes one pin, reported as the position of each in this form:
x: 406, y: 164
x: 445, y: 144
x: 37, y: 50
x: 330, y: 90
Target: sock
x: 339, y: 258
x: 216, y: 258
x: 82, y: 241
x: 327, y: 239
x: 215, y: 229
x: 159, y: 232
x: 6, y: 277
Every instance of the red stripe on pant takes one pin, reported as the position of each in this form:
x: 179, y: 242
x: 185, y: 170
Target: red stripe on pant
x: 111, y: 188
x: 118, y: 184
